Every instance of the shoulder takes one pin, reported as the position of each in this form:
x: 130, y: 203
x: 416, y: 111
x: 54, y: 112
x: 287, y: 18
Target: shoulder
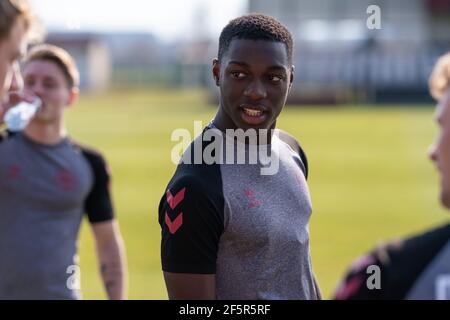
x: 196, y: 185
x: 88, y: 152
x: 96, y: 162
x: 94, y: 157
x: 414, y: 253
x: 194, y: 171
x: 400, y: 263
x: 292, y: 142
x: 195, y: 189
x: 289, y: 139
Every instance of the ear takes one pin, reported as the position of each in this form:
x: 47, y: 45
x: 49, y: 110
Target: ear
x: 216, y: 71
x: 291, y: 78
x: 73, y: 96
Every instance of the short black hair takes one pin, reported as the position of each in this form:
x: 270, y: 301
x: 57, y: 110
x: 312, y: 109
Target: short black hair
x: 255, y: 27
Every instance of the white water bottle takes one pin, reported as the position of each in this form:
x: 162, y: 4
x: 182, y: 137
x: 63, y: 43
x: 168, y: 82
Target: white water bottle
x: 18, y: 117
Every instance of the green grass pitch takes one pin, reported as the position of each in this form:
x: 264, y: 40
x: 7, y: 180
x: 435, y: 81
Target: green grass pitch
x: 370, y: 179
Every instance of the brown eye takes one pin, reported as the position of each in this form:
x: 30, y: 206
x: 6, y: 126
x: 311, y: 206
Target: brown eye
x: 275, y: 78
x: 238, y: 75
x: 49, y: 85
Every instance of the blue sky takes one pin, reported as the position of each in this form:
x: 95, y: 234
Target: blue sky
x: 167, y: 19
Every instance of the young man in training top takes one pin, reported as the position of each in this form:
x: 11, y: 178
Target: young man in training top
x: 47, y: 183
x: 240, y: 230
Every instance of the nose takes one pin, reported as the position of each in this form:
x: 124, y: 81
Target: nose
x: 16, y: 80
x: 432, y: 153
x: 255, y: 90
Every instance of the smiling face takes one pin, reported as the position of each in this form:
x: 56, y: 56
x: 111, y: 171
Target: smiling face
x: 46, y: 80
x: 254, y: 77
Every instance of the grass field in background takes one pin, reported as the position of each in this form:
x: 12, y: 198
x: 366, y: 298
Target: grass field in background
x: 370, y: 178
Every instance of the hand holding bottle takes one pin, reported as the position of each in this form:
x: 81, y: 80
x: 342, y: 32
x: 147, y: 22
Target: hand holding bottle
x: 18, y: 111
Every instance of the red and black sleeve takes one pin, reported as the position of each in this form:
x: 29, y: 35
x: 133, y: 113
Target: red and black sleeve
x: 192, y: 221
x: 98, y: 204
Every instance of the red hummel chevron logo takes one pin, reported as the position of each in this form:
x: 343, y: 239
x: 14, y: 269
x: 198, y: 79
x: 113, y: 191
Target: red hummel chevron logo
x: 175, y: 224
x: 174, y: 201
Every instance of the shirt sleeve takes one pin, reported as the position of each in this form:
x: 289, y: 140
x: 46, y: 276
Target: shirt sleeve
x: 191, y: 219
x: 354, y: 286
x: 98, y: 204
x: 400, y: 263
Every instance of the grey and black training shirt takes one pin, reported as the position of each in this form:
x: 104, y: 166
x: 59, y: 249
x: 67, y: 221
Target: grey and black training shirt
x: 44, y: 192
x: 250, y: 230
x: 415, y: 268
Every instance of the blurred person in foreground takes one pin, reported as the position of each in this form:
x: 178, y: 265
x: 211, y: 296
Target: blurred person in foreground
x: 16, y: 23
x: 417, y: 267
x: 47, y: 183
